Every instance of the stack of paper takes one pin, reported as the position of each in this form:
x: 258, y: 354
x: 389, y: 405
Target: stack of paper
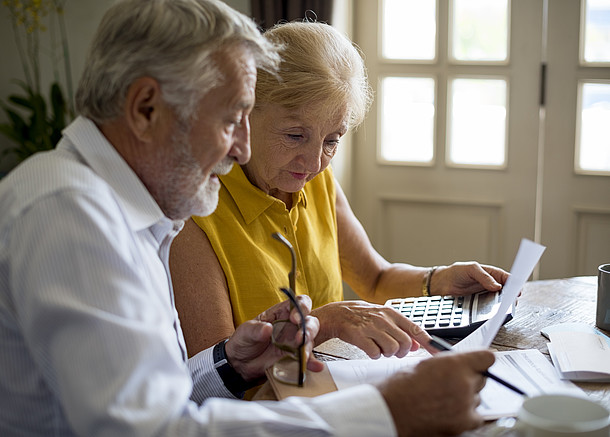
x: 529, y: 370
x: 579, y: 352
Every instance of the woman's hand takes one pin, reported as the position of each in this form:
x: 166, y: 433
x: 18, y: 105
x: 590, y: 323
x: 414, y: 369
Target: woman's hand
x: 376, y: 329
x: 463, y: 278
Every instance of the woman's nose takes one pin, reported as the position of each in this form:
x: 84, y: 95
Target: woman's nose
x: 312, y: 156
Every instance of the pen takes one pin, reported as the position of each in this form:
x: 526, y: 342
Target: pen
x: 442, y: 345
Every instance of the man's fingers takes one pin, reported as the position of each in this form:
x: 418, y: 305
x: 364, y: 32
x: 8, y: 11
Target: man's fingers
x: 480, y: 360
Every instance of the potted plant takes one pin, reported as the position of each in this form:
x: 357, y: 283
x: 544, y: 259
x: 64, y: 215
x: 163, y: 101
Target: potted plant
x: 35, y: 121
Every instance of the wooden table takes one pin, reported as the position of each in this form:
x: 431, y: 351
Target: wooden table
x: 542, y: 303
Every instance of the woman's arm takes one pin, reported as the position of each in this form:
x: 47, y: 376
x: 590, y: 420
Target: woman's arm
x: 376, y: 280
x: 372, y: 277
x: 200, y: 289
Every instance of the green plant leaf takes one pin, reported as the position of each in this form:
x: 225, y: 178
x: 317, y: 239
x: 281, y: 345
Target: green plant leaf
x: 59, y: 111
x: 21, y: 101
x: 33, y: 128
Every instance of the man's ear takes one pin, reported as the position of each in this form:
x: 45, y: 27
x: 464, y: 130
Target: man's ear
x: 143, y: 107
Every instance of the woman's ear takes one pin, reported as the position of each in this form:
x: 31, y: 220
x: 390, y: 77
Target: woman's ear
x: 143, y: 107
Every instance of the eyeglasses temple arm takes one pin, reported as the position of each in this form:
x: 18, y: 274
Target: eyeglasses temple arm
x: 291, y: 276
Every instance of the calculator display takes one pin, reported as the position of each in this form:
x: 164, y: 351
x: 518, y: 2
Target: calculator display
x: 485, y: 305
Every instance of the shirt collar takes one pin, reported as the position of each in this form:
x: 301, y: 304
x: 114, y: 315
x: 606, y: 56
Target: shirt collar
x: 252, y: 201
x: 141, y: 209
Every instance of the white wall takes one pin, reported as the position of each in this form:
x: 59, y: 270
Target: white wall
x: 82, y: 18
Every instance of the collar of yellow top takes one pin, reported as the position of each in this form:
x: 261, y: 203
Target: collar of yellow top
x: 251, y: 200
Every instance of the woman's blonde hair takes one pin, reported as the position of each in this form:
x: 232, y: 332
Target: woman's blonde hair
x: 319, y: 65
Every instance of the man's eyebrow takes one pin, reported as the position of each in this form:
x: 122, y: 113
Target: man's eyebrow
x: 244, y: 104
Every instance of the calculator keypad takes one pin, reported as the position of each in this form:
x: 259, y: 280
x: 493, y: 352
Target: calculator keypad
x: 434, y: 312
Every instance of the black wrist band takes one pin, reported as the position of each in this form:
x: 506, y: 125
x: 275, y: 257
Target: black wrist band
x: 231, y: 379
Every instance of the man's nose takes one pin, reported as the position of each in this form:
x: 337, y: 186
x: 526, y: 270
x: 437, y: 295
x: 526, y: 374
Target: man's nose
x: 240, y: 150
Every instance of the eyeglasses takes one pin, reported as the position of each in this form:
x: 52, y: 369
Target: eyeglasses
x: 290, y: 369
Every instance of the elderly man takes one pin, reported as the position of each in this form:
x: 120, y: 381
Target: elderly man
x: 91, y: 344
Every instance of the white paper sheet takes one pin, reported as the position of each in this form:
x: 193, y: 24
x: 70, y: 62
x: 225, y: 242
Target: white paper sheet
x: 580, y: 354
x: 528, y: 255
x: 529, y: 370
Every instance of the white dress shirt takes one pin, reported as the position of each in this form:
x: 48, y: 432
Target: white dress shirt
x: 90, y: 342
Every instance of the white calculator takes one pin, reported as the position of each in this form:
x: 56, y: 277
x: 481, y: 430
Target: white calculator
x: 450, y: 316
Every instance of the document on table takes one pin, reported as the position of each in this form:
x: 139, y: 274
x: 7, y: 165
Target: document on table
x: 528, y: 255
x: 580, y: 352
x: 529, y: 370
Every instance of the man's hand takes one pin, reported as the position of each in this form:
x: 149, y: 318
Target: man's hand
x: 249, y: 350
x: 439, y: 396
x: 377, y: 330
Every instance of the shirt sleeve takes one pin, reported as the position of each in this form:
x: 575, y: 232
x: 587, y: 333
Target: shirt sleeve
x: 206, y: 380
x: 108, y: 348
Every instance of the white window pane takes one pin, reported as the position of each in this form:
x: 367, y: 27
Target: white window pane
x: 477, y: 122
x: 597, y: 31
x: 407, y: 119
x: 594, y: 142
x: 409, y: 29
x: 480, y: 30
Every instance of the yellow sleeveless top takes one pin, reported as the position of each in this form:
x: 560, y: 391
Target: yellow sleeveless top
x: 254, y: 263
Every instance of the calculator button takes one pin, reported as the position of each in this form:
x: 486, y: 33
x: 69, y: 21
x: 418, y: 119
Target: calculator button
x: 430, y: 324
x: 443, y: 323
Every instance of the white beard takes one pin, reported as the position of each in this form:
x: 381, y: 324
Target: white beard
x: 181, y: 188
x: 207, y: 193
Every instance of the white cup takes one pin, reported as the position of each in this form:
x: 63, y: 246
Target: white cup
x: 562, y: 416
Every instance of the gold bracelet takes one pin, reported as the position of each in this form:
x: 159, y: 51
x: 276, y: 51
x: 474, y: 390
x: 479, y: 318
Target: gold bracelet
x: 426, y: 282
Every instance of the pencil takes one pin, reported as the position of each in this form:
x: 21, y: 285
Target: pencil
x: 442, y: 345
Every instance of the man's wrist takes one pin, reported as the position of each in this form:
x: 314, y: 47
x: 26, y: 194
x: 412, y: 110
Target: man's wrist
x: 232, y: 380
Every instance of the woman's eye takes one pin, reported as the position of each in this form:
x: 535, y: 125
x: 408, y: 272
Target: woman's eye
x: 330, y: 147
x: 294, y: 137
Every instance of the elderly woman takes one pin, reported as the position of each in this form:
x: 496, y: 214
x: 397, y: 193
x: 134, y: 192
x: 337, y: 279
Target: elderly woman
x: 227, y: 268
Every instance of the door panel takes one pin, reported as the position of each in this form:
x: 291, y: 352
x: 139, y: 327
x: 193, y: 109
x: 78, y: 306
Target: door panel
x: 437, y: 214
x: 576, y: 207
